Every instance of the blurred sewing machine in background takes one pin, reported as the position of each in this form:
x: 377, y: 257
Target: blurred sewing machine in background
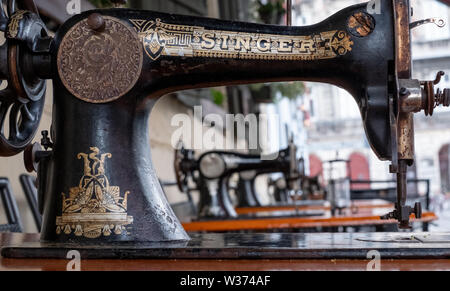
x: 217, y: 211
x: 212, y: 172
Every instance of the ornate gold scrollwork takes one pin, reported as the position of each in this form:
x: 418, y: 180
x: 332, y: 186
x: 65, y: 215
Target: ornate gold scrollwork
x: 94, y: 207
x: 100, y: 67
x: 162, y: 39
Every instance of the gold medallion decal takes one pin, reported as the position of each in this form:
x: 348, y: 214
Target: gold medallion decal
x: 100, y: 67
x: 162, y: 39
x: 94, y: 207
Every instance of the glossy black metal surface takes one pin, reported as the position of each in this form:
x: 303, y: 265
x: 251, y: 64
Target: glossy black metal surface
x: 121, y: 129
x: 254, y: 246
x: 24, y: 94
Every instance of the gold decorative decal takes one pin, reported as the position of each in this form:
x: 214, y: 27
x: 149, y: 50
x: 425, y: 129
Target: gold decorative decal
x: 94, y: 207
x: 13, y: 26
x: 162, y: 39
x: 100, y: 67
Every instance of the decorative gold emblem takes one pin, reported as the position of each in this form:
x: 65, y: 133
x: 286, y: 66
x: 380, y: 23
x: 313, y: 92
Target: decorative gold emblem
x: 94, y: 207
x: 13, y: 26
x: 100, y: 67
x: 162, y: 39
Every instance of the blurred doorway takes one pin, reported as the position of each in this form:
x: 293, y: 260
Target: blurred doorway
x: 359, y: 171
x: 315, y: 166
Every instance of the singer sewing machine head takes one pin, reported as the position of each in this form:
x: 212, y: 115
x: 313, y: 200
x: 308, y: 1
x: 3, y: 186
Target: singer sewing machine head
x: 212, y: 171
x: 96, y: 179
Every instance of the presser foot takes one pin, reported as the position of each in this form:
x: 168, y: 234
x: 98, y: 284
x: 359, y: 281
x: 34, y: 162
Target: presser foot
x: 403, y: 214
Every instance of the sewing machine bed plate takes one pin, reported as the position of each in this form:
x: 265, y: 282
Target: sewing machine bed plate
x: 252, y: 246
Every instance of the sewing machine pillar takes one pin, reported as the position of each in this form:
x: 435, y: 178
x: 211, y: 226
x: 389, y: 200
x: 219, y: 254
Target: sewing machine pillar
x: 247, y: 196
x: 101, y: 181
x: 214, y: 199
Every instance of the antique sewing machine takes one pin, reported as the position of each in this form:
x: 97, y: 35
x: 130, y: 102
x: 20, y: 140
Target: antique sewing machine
x: 96, y: 178
x: 212, y: 172
x: 248, y: 168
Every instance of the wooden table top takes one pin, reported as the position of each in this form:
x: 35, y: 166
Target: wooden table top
x: 224, y: 265
x: 207, y: 265
x: 359, y: 204
x: 293, y: 223
x: 362, y: 213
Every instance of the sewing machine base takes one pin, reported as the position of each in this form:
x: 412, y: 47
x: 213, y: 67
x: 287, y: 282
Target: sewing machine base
x: 254, y: 246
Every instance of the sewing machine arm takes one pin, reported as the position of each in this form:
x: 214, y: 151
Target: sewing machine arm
x: 209, y: 52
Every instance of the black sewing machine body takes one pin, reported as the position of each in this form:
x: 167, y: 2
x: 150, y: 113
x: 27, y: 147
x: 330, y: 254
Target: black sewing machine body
x: 97, y: 182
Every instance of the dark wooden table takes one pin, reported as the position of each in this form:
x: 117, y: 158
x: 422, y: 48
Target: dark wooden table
x: 224, y: 265
x: 218, y: 264
x: 315, y: 205
x: 362, y: 213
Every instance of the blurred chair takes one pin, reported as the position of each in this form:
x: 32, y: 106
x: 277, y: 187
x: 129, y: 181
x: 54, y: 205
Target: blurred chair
x: 14, y: 223
x: 29, y: 188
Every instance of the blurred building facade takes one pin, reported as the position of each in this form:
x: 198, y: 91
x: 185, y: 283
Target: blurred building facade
x: 336, y: 125
x: 431, y: 53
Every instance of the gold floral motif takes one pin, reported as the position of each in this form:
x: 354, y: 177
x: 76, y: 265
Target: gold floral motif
x: 342, y: 43
x: 162, y: 39
x: 94, y: 207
